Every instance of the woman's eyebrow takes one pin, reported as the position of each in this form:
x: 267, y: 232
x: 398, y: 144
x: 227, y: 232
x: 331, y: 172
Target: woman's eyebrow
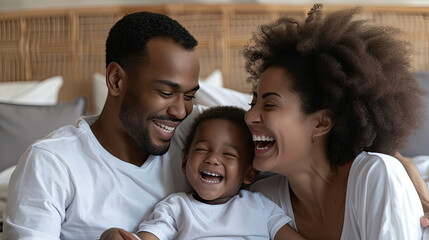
x: 269, y: 94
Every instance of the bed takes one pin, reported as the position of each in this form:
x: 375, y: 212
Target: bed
x: 52, y: 64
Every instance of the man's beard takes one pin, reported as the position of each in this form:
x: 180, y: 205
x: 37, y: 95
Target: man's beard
x: 131, y: 118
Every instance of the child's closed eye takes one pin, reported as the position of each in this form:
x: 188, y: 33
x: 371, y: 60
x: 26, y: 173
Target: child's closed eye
x: 230, y: 155
x: 201, y: 150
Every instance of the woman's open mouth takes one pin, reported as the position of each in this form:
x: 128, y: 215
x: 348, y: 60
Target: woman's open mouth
x: 263, y: 143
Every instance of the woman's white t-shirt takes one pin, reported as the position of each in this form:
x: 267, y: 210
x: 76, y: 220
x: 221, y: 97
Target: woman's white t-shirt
x: 381, y: 201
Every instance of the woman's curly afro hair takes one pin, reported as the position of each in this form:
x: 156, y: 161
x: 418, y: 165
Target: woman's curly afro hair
x: 359, y: 72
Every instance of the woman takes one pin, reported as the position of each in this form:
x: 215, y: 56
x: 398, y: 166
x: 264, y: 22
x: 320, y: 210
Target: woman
x: 333, y: 97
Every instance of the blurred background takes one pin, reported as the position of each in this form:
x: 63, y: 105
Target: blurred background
x: 11, y: 5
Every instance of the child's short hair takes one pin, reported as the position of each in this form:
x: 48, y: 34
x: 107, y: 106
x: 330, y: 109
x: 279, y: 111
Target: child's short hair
x: 229, y: 113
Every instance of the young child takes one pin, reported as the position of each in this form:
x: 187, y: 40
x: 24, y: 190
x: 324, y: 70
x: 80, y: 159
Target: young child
x: 217, y: 160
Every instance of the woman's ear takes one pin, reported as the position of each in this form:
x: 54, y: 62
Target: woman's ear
x: 184, y: 161
x: 250, y: 175
x: 324, y: 122
x: 115, y: 75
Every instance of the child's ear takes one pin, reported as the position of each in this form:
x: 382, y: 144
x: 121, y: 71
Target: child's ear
x: 184, y: 161
x: 251, y: 175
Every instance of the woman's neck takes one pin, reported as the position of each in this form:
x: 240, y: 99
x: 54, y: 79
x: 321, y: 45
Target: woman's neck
x: 318, y: 200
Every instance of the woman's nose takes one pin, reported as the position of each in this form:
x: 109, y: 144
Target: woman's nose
x: 252, y: 116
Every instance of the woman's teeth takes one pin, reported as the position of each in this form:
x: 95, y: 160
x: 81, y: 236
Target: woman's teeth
x: 262, y: 138
x: 262, y: 142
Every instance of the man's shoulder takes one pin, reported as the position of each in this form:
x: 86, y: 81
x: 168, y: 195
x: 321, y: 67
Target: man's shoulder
x: 64, y: 138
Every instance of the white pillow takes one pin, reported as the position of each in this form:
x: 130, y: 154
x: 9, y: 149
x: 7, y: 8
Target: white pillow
x: 214, y: 79
x: 5, y: 176
x: 99, y: 92
x: 31, y: 92
x: 211, y: 93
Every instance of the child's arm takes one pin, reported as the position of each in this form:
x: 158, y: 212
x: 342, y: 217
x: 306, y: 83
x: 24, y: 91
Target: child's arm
x: 121, y: 234
x: 419, y: 184
x: 287, y: 232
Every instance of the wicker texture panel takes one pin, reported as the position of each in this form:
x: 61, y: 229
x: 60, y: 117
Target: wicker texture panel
x: 207, y: 28
x: 40, y: 44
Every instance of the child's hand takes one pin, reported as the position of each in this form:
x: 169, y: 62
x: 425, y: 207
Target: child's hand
x: 117, y: 234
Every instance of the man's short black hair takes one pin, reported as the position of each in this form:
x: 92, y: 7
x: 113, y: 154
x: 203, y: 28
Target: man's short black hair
x: 128, y: 38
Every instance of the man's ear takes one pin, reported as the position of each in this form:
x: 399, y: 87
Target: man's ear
x: 251, y: 175
x: 184, y: 161
x: 115, y: 76
x: 324, y: 122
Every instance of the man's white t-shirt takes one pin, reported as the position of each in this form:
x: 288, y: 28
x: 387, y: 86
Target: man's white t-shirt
x: 67, y: 186
x: 381, y: 201
x: 245, y: 216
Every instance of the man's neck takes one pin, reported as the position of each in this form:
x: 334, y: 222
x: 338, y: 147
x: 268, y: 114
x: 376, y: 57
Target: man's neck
x: 117, y: 142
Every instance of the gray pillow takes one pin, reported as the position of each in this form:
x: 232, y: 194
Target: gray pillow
x: 418, y: 143
x: 21, y: 125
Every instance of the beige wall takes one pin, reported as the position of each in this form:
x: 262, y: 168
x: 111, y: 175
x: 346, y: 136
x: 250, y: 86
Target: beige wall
x: 14, y: 5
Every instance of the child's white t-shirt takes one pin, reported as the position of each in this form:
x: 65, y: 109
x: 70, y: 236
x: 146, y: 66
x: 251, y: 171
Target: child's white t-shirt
x: 246, y: 216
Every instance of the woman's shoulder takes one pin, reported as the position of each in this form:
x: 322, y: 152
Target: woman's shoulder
x: 375, y: 164
x: 270, y: 182
x: 379, y: 172
x: 275, y: 187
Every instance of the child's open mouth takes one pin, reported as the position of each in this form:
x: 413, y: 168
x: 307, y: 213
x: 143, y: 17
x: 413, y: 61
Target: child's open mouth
x: 211, y: 177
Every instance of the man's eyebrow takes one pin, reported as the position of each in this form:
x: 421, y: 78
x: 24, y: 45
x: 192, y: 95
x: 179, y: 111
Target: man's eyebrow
x: 169, y: 83
x: 195, y: 88
x: 176, y: 85
x: 269, y: 94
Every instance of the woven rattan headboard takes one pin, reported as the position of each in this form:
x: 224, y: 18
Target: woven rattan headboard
x: 39, y: 44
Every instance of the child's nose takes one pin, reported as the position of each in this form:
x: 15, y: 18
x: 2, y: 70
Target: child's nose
x: 213, y: 159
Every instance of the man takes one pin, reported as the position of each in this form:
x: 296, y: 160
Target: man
x: 109, y: 171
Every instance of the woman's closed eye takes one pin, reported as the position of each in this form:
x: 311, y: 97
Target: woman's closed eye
x: 269, y: 105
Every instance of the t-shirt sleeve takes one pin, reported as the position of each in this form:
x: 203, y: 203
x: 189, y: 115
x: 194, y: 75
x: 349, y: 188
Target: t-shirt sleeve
x: 385, y: 202
x: 161, y: 221
x: 276, y: 217
x: 39, y: 192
